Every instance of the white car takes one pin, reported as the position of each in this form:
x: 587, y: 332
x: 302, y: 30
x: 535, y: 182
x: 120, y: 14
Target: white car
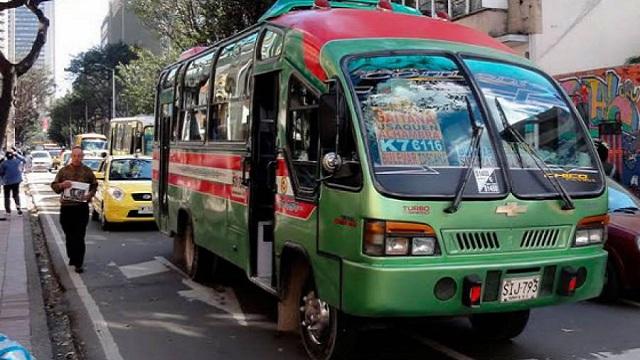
x: 41, y: 160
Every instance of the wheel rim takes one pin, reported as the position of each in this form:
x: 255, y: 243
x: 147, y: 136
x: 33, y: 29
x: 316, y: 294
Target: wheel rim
x: 316, y: 318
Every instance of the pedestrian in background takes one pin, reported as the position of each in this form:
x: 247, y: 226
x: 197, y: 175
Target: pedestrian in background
x: 603, y: 153
x: 11, y: 173
x: 74, y: 215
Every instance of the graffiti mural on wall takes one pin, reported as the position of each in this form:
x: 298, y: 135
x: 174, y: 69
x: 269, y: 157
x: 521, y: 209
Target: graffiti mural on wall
x: 609, y: 98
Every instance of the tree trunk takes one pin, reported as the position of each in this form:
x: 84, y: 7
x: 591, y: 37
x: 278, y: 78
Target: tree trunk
x: 10, y: 71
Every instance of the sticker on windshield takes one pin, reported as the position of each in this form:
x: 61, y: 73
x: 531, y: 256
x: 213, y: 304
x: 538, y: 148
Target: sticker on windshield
x: 409, y: 137
x: 486, y: 180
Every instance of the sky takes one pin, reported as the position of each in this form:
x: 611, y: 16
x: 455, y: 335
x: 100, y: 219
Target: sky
x: 77, y: 28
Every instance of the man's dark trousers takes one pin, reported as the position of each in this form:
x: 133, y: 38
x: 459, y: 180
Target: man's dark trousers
x: 15, y: 189
x: 74, y: 220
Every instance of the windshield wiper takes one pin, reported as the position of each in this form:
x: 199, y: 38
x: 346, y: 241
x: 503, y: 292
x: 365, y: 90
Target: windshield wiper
x: 630, y: 209
x: 472, y: 155
x: 541, y: 164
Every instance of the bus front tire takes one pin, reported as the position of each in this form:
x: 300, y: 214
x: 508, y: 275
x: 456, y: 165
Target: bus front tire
x: 611, y: 290
x: 500, y: 326
x: 327, y: 333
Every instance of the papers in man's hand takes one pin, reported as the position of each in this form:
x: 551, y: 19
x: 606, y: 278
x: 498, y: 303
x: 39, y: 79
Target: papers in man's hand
x: 77, y: 192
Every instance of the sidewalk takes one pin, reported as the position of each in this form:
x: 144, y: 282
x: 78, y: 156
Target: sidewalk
x: 14, y: 296
x: 21, y: 304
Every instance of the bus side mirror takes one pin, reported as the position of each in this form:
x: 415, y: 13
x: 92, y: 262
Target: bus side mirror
x: 329, y: 114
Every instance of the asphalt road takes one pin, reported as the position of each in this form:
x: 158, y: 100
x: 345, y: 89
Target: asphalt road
x: 131, y: 303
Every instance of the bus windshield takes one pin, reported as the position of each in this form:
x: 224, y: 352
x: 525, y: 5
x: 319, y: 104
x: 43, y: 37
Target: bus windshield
x: 93, y: 144
x: 526, y: 105
x: 130, y: 169
x: 415, y: 112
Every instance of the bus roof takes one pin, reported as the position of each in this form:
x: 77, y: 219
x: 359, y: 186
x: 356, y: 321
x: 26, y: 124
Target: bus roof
x: 284, y: 6
x: 91, y: 136
x: 320, y: 26
x: 145, y: 119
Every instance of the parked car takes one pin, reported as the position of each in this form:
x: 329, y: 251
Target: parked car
x: 124, y: 191
x: 41, y: 161
x: 56, y: 158
x: 623, y: 244
x: 93, y: 162
x: 66, y: 158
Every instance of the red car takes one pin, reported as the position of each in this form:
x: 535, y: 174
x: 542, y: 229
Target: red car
x: 623, y: 244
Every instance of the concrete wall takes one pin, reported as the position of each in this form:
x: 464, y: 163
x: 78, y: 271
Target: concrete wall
x: 490, y: 21
x: 586, y: 34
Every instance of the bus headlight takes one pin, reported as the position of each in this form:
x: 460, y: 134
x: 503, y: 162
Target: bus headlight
x: 424, y: 246
x: 591, y: 230
x: 383, y: 238
x: 116, y: 193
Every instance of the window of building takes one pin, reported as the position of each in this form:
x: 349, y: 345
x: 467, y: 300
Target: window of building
x: 231, y: 101
x: 302, y: 135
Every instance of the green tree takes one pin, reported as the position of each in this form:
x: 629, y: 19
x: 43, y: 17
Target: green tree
x: 186, y: 23
x: 92, y: 73
x: 633, y: 60
x: 67, y: 118
x: 30, y: 102
x: 139, y: 79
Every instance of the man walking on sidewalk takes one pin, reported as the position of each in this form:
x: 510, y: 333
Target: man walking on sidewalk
x: 74, y: 211
x: 11, y: 173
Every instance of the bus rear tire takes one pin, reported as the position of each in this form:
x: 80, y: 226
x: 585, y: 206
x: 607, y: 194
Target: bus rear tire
x: 326, y: 332
x: 197, y: 261
x: 500, y: 326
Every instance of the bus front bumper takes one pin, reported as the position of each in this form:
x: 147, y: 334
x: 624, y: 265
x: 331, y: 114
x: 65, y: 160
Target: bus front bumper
x: 402, y: 291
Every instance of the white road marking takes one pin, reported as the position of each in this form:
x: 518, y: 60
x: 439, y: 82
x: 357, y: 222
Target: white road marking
x: 442, y: 348
x: 101, y: 327
x: 630, y: 302
x: 223, y: 300
x: 143, y: 269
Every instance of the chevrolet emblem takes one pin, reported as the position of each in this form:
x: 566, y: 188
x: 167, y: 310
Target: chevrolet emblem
x: 511, y: 209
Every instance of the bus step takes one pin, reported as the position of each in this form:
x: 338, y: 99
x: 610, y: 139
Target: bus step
x: 264, y: 282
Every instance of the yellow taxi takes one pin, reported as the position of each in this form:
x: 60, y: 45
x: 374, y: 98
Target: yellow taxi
x: 124, y: 191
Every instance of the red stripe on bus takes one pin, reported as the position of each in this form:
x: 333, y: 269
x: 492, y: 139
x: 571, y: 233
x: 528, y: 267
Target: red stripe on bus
x: 282, y: 170
x: 220, y: 161
x: 287, y: 205
x: 220, y: 190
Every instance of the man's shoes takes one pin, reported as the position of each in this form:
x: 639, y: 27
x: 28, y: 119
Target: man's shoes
x: 79, y: 269
x: 19, y: 212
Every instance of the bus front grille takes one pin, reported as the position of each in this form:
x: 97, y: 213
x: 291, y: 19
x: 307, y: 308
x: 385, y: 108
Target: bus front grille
x: 481, y: 241
x: 477, y: 241
x: 540, y: 239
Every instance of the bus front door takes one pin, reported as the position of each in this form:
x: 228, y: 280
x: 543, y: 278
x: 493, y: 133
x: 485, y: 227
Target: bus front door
x: 261, y: 165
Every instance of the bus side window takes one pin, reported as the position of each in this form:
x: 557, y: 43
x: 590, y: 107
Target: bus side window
x: 270, y: 45
x: 195, y: 93
x: 302, y: 135
x: 231, y: 101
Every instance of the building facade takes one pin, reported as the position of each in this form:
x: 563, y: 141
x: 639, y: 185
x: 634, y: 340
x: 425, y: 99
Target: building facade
x: 560, y: 36
x: 122, y: 25
x: 22, y: 27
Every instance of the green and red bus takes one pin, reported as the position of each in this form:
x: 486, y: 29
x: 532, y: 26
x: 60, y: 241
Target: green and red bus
x: 359, y: 160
